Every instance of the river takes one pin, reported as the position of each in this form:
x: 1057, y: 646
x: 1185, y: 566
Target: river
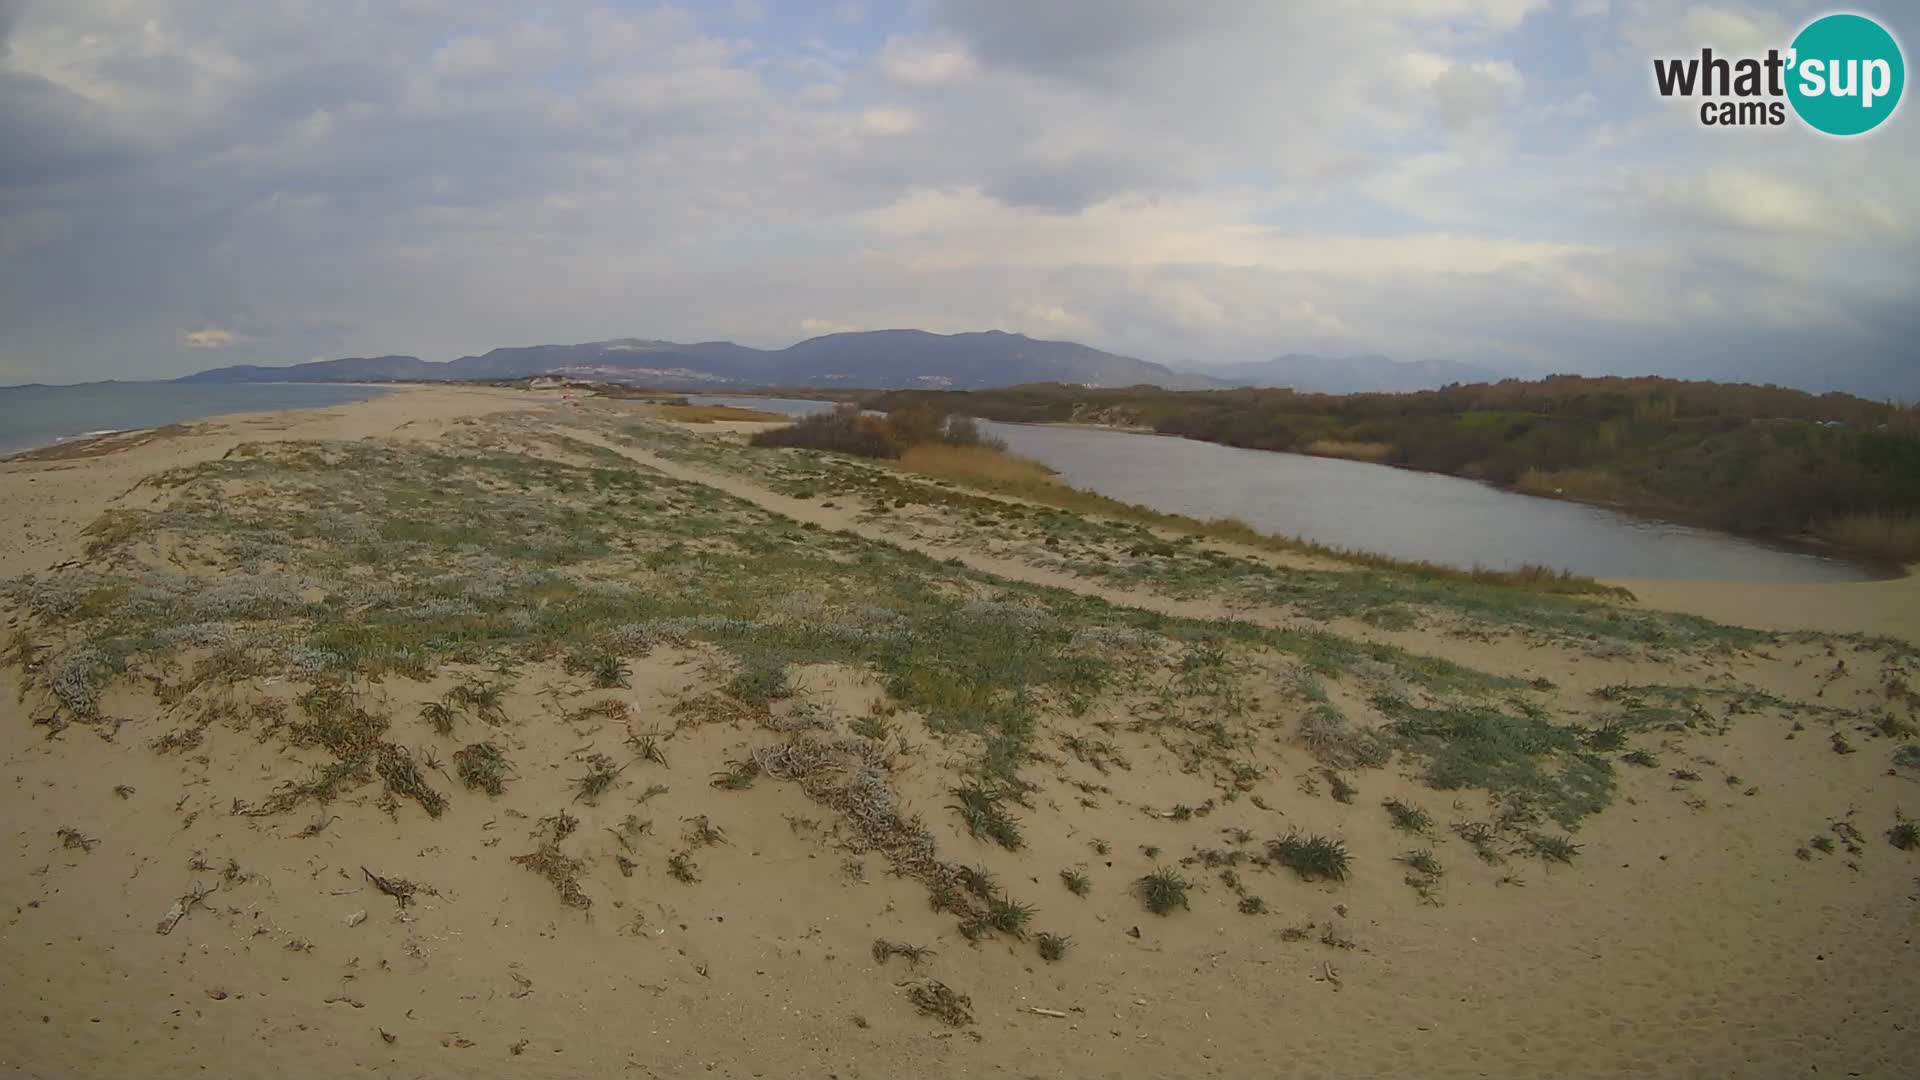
x: 1388, y: 511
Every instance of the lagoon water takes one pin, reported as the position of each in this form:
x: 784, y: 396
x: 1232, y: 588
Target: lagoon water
x: 33, y: 416
x: 1398, y: 512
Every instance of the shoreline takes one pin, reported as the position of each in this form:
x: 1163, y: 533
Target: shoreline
x: 92, y: 436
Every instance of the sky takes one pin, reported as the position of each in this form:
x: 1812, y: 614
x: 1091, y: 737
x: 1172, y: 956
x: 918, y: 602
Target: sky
x: 192, y: 183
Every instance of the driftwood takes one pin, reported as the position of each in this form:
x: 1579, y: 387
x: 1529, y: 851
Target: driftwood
x: 400, y: 889
x: 193, y: 898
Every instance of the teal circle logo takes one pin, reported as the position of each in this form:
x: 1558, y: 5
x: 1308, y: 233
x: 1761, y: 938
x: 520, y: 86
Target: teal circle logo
x: 1846, y: 74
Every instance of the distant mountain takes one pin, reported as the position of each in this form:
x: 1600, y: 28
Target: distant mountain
x: 1353, y: 374
x: 882, y: 359
x: 353, y: 369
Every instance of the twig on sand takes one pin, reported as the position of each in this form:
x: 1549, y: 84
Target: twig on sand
x: 193, y: 898
x: 400, y: 889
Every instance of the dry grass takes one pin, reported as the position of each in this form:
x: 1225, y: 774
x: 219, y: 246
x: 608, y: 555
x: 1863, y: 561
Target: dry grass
x: 1585, y: 485
x: 561, y: 870
x: 1883, y: 536
x: 942, y: 1002
x: 980, y: 465
x: 707, y: 414
x: 1375, y: 452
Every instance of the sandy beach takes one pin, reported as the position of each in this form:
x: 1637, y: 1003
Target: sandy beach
x: 759, y: 714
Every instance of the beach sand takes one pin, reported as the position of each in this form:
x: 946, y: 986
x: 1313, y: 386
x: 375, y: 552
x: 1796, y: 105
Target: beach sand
x: 1688, y: 938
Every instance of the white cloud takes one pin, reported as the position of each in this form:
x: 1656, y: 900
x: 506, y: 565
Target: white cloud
x: 883, y: 120
x: 466, y: 56
x: 1216, y: 181
x: 921, y: 61
x: 211, y: 337
x: 818, y: 327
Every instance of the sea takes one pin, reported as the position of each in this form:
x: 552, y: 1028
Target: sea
x: 36, y: 416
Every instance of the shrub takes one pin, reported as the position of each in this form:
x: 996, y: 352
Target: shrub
x: 844, y: 430
x: 1311, y: 857
x: 1163, y: 890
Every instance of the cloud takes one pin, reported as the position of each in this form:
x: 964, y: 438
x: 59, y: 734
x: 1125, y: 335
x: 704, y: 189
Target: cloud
x: 211, y: 337
x: 1205, y: 182
x: 883, y: 120
x: 920, y: 61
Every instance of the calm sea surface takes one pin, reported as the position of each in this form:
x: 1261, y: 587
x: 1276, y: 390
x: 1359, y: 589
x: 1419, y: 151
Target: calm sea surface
x: 33, y: 416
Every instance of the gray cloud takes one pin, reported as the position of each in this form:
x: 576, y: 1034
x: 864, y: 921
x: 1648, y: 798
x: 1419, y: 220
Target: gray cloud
x: 1221, y: 183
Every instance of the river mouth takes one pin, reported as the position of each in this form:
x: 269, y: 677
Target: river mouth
x: 1400, y: 513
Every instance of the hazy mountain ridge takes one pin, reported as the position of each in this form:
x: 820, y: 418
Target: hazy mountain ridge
x: 878, y: 358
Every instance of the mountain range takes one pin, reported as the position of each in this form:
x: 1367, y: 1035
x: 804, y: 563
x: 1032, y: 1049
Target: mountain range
x: 878, y: 359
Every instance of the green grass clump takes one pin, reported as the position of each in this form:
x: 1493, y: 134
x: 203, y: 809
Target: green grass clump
x: 1558, y: 849
x: 439, y: 715
x: 609, y: 672
x: 599, y: 778
x: 1423, y: 861
x: 481, y: 765
x: 1605, y: 739
x: 977, y: 880
x: 761, y: 684
x: 1642, y: 758
x: 1407, y: 817
x: 1904, y: 835
x: 1005, y: 916
x: 1053, y: 946
x: 484, y: 698
x: 1313, y: 858
x: 681, y: 867
x: 1252, y: 905
x: 1163, y: 890
x: 1077, y: 882
x: 738, y: 776
x: 402, y: 776
x: 980, y: 810
x: 1524, y: 757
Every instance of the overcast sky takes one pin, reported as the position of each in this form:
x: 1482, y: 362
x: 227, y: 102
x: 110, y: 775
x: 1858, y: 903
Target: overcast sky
x: 189, y: 183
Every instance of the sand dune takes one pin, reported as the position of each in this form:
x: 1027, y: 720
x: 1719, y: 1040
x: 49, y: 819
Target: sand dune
x: 707, y: 607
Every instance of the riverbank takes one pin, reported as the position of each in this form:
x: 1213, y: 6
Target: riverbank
x: 1760, y: 461
x: 474, y: 729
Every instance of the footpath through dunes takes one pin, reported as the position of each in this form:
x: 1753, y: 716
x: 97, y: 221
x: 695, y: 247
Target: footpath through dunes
x: 570, y: 741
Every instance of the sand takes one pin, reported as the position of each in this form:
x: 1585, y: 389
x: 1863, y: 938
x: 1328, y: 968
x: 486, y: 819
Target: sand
x: 1686, y: 940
